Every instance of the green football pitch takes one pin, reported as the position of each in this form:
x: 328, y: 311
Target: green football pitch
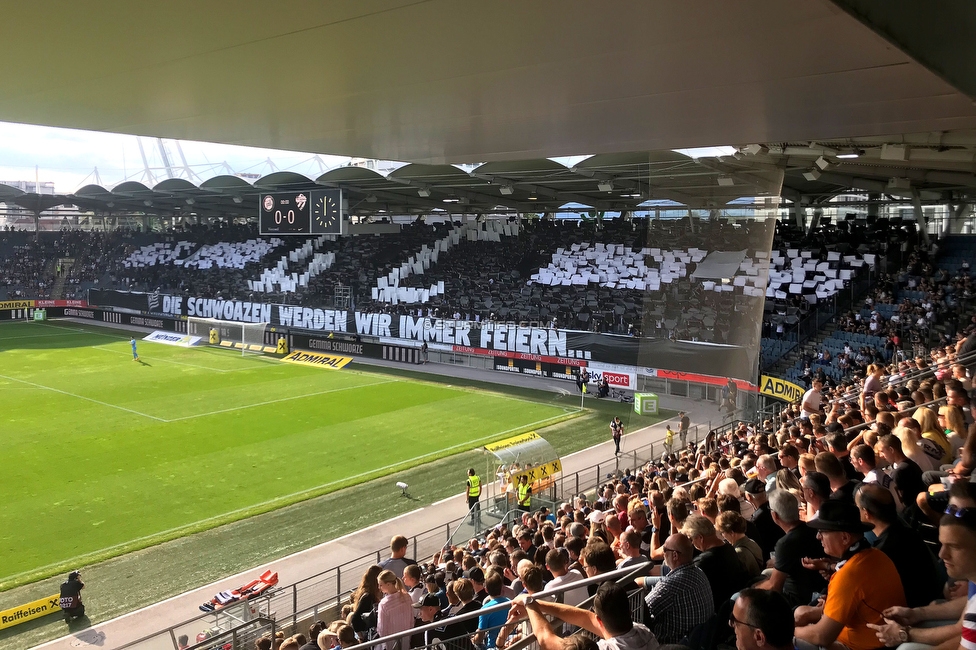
x: 102, y: 455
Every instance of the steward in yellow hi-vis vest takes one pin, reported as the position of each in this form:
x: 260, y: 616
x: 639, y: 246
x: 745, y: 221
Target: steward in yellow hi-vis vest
x: 473, y: 493
x: 214, y: 336
x: 282, y: 346
x: 524, y: 494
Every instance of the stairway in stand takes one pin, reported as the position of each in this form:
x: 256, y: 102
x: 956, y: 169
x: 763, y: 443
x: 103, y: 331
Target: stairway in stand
x: 57, y: 289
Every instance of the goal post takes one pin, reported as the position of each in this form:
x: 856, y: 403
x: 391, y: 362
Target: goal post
x: 246, y: 337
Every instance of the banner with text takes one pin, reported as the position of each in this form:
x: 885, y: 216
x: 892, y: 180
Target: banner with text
x: 521, y: 341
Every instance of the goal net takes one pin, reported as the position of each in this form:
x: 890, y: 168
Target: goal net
x: 246, y: 337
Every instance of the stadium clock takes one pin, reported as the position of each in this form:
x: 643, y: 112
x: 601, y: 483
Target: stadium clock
x: 327, y: 212
x: 284, y: 213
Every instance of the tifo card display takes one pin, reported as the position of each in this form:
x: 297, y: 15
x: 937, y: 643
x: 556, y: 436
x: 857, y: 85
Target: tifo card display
x: 316, y: 359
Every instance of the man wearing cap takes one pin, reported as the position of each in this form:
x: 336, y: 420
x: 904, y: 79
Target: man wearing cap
x: 865, y: 584
x: 430, y: 611
x: 70, y: 600
x: 769, y: 532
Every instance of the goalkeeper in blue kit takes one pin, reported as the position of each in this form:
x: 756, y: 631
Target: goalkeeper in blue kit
x: 135, y: 355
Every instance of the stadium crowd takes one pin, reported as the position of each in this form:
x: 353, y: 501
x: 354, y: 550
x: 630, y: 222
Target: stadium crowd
x: 848, y: 520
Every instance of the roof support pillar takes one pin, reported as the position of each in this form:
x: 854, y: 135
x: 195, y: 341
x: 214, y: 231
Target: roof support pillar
x: 691, y: 221
x: 920, y: 216
x: 815, y: 220
x: 799, y: 215
x: 873, y: 205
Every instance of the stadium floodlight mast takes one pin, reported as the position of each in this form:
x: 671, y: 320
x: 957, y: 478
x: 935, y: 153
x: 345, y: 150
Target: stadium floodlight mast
x: 249, y: 337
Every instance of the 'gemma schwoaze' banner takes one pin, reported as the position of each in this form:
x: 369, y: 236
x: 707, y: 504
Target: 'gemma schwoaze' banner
x: 462, y: 336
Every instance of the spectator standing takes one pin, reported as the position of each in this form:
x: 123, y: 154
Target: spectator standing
x: 365, y: 600
x: 684, y: 423
x: 397, y: 561
x: 616, y: 433
x: 810, y: 403
x: 395, y: 611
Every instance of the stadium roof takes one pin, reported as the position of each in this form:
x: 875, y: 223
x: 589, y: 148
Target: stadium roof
x: 440, y: 81
x: 940, y: 167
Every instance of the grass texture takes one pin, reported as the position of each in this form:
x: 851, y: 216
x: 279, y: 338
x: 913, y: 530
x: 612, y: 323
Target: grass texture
x: 103, y: 455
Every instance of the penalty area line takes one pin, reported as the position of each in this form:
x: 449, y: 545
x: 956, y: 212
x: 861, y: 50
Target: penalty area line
x: 282, y: 399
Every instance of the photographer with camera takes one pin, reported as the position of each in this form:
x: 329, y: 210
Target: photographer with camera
x: 70, y: 600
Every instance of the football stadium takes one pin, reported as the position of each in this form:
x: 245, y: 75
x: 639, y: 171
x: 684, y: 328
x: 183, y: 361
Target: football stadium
x: 408, y: 325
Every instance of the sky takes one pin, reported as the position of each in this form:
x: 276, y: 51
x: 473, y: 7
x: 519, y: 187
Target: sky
x: 69, y: 157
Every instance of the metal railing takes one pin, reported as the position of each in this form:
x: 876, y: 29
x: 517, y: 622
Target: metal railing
x: 239, y: 637
x: 621, y: 576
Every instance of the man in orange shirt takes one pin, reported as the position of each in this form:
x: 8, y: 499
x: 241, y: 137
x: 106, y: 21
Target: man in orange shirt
x: 864, y: 583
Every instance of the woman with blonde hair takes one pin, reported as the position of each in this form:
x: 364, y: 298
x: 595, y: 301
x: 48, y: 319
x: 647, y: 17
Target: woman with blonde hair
x: 929, y: 421
x: 872, y: 384
x: 952, y: 422
x: 395, y: 612
x: 786, y: 481
x: 365, y: 600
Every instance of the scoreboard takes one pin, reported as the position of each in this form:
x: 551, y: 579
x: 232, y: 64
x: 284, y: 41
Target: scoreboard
x: 308, y: 212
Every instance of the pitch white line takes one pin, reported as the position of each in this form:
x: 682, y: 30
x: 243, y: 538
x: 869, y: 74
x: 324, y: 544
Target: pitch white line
x: 283, y: 399
x: 33, y: 336
x: 87, y: 399
x: 380, y: 471
x: 179, y: 363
